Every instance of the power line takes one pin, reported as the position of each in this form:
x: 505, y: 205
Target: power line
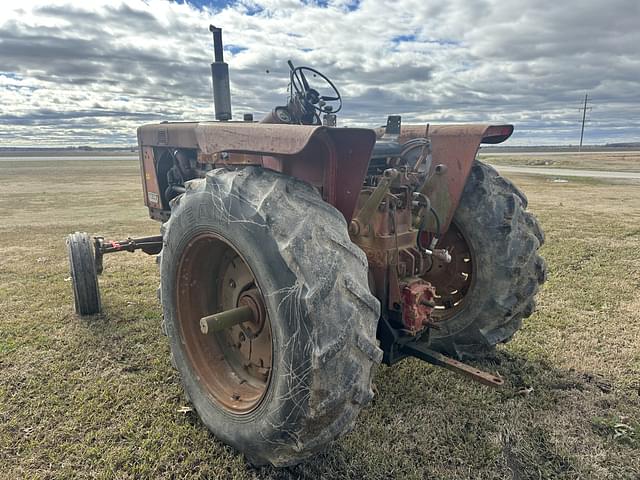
x: 584, y: 116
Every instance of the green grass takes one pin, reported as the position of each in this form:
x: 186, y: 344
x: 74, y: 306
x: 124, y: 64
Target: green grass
x: 98, y: 398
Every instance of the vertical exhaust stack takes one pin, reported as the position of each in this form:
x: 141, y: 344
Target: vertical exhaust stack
x: 220, y: 78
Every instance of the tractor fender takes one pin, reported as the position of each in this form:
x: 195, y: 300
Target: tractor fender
x: 454, y: 148
x: 334, y: 160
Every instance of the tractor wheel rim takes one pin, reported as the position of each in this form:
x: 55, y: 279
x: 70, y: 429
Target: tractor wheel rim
x: 233, y: 366
x: 453, y: 281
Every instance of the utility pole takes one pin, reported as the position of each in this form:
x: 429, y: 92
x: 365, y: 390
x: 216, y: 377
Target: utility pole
x: 584, y: 116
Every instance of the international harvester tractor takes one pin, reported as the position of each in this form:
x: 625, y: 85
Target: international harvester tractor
x: 295, y: 256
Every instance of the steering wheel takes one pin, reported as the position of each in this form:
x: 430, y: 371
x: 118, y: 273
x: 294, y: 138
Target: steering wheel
x: 319, y: 102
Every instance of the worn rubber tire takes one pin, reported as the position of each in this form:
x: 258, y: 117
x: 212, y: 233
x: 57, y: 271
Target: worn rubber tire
x: 323, y: 316
x: 86, y: 291
x: 507, y: 267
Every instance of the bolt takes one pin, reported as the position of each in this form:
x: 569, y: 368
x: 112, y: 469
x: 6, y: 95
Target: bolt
x: 232, y: 283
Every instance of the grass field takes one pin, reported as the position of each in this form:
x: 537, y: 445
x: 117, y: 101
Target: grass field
x: 623, y: 160
x: 98, y: 398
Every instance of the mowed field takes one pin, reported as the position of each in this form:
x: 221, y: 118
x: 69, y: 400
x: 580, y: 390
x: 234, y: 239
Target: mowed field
x: 98, y: 398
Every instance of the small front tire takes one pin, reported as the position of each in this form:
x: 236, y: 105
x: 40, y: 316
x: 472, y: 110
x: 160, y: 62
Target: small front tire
x: 84, y: 279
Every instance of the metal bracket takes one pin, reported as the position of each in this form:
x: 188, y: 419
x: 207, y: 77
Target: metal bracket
x: 149, y: 245
x: 360, y: 223
x: 329, y: 119
x: 419, y: 350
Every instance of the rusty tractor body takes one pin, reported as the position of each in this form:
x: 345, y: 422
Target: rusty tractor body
x: 363, y: 173
x: 381, y: 243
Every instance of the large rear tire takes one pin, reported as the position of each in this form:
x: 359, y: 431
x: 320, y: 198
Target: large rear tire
x: 489, y: 288
x: 317, y: 346
x: 84, y: 279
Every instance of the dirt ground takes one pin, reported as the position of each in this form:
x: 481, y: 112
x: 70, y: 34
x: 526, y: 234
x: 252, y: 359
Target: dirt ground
x: 98, y: 398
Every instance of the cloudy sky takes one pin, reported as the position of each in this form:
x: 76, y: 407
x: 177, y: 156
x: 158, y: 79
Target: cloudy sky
x: 89, y: 73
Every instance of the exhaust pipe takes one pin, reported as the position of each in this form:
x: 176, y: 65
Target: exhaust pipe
x: 220, y: 78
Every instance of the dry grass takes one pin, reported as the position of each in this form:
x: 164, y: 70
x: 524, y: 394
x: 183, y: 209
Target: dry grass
x: 99, y: 399
x: 611, y: 161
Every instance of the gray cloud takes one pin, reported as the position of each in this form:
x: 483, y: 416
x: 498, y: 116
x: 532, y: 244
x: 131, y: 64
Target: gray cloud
x: 84, y: 73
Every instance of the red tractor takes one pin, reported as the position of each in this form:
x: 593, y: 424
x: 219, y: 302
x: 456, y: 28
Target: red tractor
x: 296, y: 256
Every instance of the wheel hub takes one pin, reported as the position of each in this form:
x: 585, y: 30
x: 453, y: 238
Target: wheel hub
x: 253, y: 299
